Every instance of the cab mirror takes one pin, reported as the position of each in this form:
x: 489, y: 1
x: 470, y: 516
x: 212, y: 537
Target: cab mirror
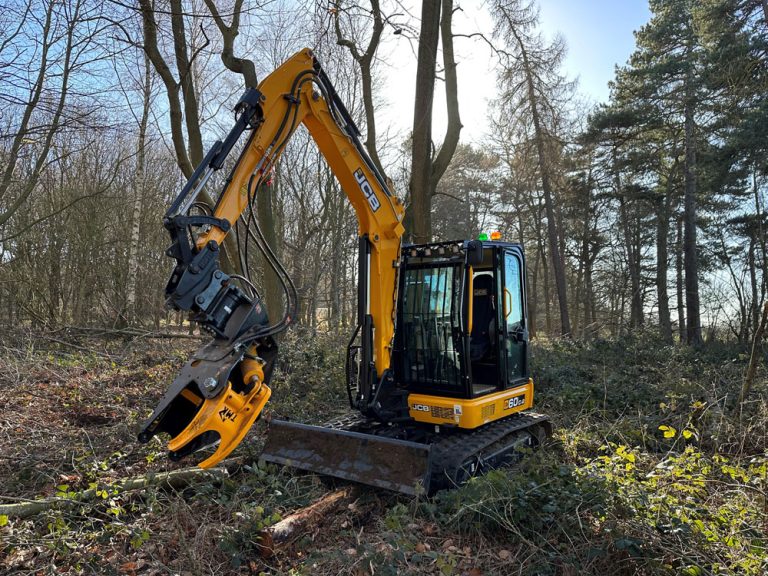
x: 474, y: 252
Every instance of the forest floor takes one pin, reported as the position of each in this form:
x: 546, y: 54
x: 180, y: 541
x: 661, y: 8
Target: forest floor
x: 652, y: 469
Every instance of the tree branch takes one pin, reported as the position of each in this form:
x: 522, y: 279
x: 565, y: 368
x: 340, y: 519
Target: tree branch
x: 242, y: 66
x: 453, y: 131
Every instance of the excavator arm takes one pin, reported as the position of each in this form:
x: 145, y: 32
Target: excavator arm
x: 223, y: 388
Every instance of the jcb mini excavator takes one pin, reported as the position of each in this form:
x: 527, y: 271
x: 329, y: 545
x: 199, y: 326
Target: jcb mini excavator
x: 437, y: 368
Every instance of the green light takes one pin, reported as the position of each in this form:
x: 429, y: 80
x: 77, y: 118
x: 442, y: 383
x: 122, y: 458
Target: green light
x: 482, y: 236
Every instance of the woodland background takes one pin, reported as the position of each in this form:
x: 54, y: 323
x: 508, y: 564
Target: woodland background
x: 646, y: 211
x: 645, y: 232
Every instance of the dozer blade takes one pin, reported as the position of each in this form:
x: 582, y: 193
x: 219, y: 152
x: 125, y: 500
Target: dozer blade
x: 388, y: 463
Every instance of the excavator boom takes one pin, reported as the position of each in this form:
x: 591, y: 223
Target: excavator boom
x: 222, y: 390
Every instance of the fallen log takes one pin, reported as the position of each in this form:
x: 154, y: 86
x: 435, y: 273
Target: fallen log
x: 128, y: 332
x: 173, y: 479
x: 297, y: 523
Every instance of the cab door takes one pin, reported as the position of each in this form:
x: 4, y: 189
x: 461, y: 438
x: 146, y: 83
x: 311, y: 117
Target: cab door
x: 514, y: 329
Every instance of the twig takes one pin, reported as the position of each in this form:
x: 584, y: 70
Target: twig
x: 75, y: 346
x: 173, y: 479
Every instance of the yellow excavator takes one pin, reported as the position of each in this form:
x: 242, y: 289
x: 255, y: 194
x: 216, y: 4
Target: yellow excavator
x: 437, y: 368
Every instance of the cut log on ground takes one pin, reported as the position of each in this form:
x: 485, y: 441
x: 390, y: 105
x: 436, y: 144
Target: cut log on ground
x: 174, y: 479
x: 296, y: 524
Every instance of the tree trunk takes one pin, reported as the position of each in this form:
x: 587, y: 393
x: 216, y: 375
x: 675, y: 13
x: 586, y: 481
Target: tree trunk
x: 589, y: 303
x: 453, y: 130
x: 533, y: 299
x: 679, y: 282
x: 186, y: 81
x: 754, y: 312
x: 173, y: 479
x: 558, y: 264
x: 419, y: 212
x: 265, y: 212
x: 662, y: 258
x: 365, y: 62
x: 300, y: 521
x: 138, y: 191
x: 186, y: 160
x: 633, y: 265
x: 759, y: 212
x: 691, y: 264
x: 547, y: 291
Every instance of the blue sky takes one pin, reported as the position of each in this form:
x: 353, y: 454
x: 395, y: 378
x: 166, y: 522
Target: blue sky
x: 599, y: 35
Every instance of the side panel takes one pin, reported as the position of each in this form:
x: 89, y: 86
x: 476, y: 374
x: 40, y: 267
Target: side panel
x: 473, y: 413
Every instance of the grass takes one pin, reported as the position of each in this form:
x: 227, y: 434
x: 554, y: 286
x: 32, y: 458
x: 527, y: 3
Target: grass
x: 653, y: 469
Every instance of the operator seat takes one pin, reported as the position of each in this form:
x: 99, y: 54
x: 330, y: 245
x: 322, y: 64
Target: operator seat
x: 483, y: 318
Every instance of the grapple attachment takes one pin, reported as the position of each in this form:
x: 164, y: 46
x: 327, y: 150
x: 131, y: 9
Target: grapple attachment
x: 389, y: 463
x: 214, y: 399
x: 230, y: 415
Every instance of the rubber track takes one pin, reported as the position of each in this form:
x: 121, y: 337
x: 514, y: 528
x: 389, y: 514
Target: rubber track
x: 453, y: 454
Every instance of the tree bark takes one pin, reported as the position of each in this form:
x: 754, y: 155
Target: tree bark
x: 663, y: 208
x: 138, y: 191
x: 453, y: 130
x: 691, y: 265
x: 296, y: 524
x: 419, y: 212
x: 186, y: 81
x: 679, y: 283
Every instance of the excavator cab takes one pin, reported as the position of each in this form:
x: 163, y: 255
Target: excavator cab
x: 461, y: 335
x: 461, y: 328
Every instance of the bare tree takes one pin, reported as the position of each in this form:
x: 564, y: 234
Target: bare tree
x: 38, y: 58
x: 531, y: 85
x: 427, y: 167
x: 265, y: 200
x: 365, y: 60
x: 139, y: 189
